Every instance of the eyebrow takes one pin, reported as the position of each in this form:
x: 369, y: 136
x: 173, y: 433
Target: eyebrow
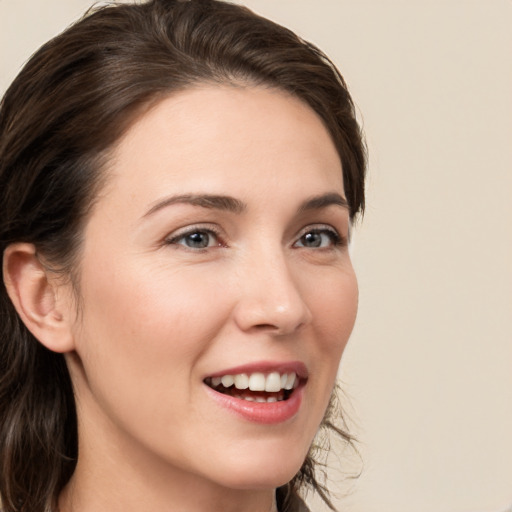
x: 215, y: 202
x: 231, y: 204
x: 323, y: 201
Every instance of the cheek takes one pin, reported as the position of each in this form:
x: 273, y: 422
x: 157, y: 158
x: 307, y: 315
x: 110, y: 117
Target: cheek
x: 146, y: 326
x: 333, y: 304
x: 139, y: 340
x: 160, y: 306
x: 335, y: 309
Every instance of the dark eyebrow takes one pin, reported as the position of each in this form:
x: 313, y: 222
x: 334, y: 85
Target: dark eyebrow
x: 323, y: 201
x: 216, y: 202
x: 233, y: 205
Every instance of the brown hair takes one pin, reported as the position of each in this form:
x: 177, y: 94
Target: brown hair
x: 65, y: 110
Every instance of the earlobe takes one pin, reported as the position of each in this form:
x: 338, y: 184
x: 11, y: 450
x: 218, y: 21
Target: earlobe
x: 37, y: 297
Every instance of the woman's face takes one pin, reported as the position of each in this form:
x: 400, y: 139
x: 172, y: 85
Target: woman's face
x: 216, y: 252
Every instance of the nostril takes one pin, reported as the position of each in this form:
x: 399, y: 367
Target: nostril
x: 277, y: 329
x: 264, y: 327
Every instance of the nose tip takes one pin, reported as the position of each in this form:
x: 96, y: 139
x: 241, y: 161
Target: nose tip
x: 272, y: 301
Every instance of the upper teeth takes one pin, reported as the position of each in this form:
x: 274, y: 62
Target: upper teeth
x: 272, y: 382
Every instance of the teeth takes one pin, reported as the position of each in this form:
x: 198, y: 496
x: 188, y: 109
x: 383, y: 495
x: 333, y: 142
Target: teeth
x: 241, y: 381
x: 257, y: 382
x: 271, y: 383
x: 269, y: 400
x: 228, y: 381
x: 290, y: 381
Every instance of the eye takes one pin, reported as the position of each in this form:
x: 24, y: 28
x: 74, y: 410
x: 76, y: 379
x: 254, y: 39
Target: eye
x: 319, y: 238
x: 195, y: 239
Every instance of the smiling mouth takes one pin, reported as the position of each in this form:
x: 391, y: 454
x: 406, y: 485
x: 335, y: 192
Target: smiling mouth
x: 257, y: 386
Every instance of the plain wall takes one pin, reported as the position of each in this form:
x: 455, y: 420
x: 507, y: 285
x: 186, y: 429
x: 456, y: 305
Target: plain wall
x: 429, y: 367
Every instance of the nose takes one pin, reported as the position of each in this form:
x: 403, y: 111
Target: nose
x: 270, y: 297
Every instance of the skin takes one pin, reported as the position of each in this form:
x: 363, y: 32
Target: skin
x: 158, y: 316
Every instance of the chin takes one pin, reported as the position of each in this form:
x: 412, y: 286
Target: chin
x: 260, y: 480
x: 264, y: 468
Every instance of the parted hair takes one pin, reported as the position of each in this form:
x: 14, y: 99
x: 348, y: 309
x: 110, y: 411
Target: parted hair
x: 66, y: 109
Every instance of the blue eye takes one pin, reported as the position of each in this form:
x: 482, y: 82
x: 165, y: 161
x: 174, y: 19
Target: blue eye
x: 196, y: 239
x: 318, y: 239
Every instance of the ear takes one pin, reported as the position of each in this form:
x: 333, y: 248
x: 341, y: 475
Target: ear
x: 42, y: 303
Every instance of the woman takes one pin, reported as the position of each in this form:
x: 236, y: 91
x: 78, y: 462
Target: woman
x: 177, y: 180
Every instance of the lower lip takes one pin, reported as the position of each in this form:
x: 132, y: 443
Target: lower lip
x: 256, y: 412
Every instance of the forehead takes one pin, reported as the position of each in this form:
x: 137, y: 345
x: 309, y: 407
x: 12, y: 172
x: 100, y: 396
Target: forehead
x: 215, y: 138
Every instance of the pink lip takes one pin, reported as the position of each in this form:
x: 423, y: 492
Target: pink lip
x: 264, y: 413
x: 266, y: 367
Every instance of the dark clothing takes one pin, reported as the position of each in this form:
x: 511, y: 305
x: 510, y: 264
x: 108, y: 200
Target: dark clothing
x: 296, y: 505
x: 301, y: 507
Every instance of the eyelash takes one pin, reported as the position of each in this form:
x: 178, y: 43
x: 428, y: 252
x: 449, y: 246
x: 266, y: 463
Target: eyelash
x: 176, y: 239
x: 335, y: 238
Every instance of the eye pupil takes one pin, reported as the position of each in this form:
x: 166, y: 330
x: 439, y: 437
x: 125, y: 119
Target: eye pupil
x: 312, y: 240
x: 197, y: 240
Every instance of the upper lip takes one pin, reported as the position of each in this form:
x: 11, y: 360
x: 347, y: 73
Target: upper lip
x: 266, y: 367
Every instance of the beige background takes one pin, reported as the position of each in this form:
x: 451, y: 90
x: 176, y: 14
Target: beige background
x: 428, y: 369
